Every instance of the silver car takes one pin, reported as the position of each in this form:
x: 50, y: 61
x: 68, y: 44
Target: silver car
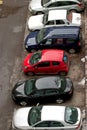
x: 41, y: 6
x: 47, y: 118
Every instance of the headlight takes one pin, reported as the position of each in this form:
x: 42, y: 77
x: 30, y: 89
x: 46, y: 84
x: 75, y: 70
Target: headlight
x: 26, y: 46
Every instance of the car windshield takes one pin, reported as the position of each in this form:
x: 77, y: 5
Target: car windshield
x: 40, y: 35
x: 35, y: 57
x: 34, y: 115
x: 61, y: 84
x: 45, y: 18
x: 43, y: 2
x: 29, y: 86
x: 71, y: 115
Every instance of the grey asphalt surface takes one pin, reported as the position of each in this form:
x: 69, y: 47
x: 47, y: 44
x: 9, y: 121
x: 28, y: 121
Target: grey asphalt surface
x: 12, y: 26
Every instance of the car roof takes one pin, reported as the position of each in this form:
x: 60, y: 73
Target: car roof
x: 56, y: 14
x: 48, y: 82
x: 52, y: 55
x: 62, y: 32
x: 53, y: 113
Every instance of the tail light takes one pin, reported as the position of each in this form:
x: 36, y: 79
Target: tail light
x: 80, y: 4
x: 70, y: 91
x: 79, y: 43
x: 78, y: 126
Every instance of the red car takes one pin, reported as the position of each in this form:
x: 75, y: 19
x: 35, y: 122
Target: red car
x: 46, y: 62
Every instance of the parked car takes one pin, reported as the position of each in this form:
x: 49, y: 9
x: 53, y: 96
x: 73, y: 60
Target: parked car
x: 51, y: 117
x: 43, y: 90
x: 65, y: 38
x: 46, y: 62
x: 41, y: 6
x: 54, y: 18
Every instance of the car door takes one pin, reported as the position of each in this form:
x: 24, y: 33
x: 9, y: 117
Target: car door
x: 42, y: 68
x: 37, y: 96
x: 51, y: 95
x: 46, y: 44
x: 55, y: 67
x: 49, y: 125
x: 58, y: 43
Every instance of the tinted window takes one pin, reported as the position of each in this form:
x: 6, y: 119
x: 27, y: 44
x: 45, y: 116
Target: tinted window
x: 51, y: 92
x: 71, y: 115
x: 43, y: 64
x: 56, y: 124
x: 67, y: 3
x: 65, y: 58
x: 35, y: 57
x: 55, y: 63
x: 29, y: 86
x: 50, y: 23
x: 60, y: 22
x: 43, y: 124
x: 70, y: 40
x: 52, y: 5
x: 38, y: 93
x: 34, y: 115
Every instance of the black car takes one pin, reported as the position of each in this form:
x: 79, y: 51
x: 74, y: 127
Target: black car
x: 43, y: 90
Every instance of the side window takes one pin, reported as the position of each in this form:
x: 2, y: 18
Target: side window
x: 55, y: 63
x: 52, y: 5
x: 67, y: 3
x: 38, y: 93
x: 50, y: 23
x: 60, y: 22
x: 48, y: 42
x: 56, y: 124
x: 44, y: 64
x: 43, y: 124
x: 70, y: 41
x: 50, y: 92
x: 59, y: 41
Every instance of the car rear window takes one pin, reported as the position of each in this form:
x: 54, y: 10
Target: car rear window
x: 71, y: 115
x: 65, y: 58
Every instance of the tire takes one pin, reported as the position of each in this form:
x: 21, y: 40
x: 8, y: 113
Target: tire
x: 23, y: 103
x: 72, y: 51
x: 30, y: 73
x: 59, y: 101
x: 63, y: 73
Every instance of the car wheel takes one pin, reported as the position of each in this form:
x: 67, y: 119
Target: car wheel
x: 72, y: 51
x: 30, y: 73
x: 62, y: 73
x: 23, y: 103
x: 59, y: 101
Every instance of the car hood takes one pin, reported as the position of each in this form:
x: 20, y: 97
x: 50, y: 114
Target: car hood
x: 20, y: 118
x: 76, y: 18
x: 19, y: 88
x: 35, y: 22
x: 35, y: 5
x: 31, y: 38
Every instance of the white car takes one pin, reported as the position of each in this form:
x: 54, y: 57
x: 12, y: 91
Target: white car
x: 47, y: 118
x: 41, y: 6
x: 54, y: 18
